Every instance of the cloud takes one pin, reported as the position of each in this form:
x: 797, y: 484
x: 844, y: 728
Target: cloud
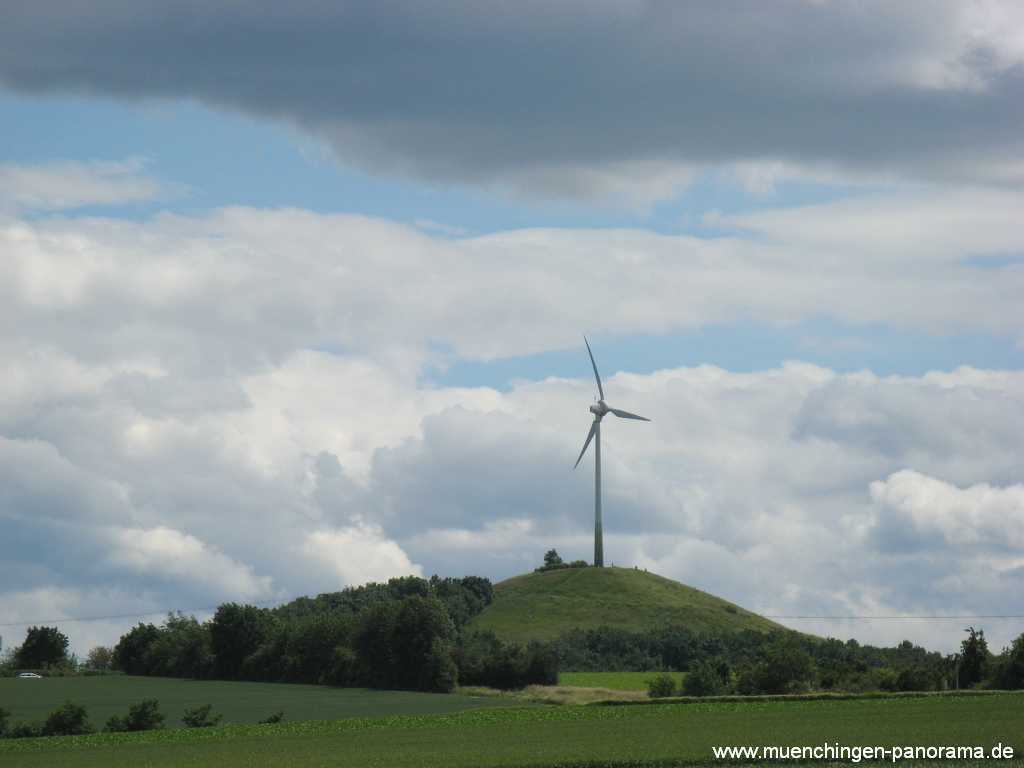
x: 574, y: 100
x: 357, y: 554
x: 240, y: 288
x: 980, y: 516
x: 231, y: 406
x: 68, y: 185
x: 178, y: 556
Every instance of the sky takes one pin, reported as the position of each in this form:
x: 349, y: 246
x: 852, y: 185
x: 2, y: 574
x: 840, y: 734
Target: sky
x: 293, y: 297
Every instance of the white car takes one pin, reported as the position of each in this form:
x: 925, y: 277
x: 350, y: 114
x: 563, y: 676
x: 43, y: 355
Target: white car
x: 30, y: 676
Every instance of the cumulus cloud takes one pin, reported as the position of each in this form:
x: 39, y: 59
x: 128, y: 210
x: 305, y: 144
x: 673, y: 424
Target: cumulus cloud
x: 980, y: 516
x: 569, y: 100
x: 239, y: 288
x: 231, y: 406
x: 356, y: 554
x: 178, y: 556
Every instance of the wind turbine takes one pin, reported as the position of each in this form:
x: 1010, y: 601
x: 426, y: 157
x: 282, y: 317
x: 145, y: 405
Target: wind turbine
x: 599, y: 409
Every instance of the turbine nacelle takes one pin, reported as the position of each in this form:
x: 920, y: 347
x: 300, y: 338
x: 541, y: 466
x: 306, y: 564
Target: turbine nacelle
x: 599, y: 408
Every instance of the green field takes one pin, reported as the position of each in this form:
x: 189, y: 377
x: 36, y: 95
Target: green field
x: 662, y: 734
x: 615, y: 681
x: 543, y: 606
x: 238, y: 702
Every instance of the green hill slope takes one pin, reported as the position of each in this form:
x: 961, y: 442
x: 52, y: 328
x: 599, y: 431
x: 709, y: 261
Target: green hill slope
x: 542, y: 606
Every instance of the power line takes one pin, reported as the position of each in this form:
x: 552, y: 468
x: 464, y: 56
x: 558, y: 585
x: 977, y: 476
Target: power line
x: 205, y: 609
x: 122, y: 616
x: 915, y: 618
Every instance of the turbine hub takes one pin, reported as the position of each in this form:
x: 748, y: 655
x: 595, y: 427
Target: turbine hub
x: 599, y: 409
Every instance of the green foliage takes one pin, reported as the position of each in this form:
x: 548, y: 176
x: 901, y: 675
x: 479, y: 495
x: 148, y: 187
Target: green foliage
x: 183, y: 648
x: 69, y: 720
x: 661, y: 686
x: 200, y: 717
x: 5, y: 716
x: 485, y: 660
x: 236, y: 631
x: 277, y: 717
x: 707, y: 678
x: 1008, y: 667
x: 144, y: 716
x: 130, y: 653
x: 43, y: 647
x: 553, y: 562
x: 25, y: 730
x: 100, y: 658
x: 974, y: 658
x: 785, y: 668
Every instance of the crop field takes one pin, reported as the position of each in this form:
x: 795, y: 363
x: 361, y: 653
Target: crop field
x: 615, y: 681
x: 637, y: 735
x: 238, y: 702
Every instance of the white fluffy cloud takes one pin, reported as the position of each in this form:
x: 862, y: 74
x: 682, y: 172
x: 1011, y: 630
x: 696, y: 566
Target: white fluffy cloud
x: 230, y: 406
x: 978, y: 517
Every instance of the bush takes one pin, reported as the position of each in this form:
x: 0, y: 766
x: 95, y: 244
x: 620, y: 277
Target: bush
x: 69, y: 720
x: 25, y: 731
x: 200, y: 717
x: 706, y: 679
x: 277, y: 717
x: 4, y: 716
x: 144, y: 716
x: 661, y: 686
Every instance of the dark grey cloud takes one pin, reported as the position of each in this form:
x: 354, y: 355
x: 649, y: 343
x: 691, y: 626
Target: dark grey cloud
x: 494, y: 92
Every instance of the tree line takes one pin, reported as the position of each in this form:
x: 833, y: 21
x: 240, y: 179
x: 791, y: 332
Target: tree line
x: 409, y: 633
x: 751, y: 662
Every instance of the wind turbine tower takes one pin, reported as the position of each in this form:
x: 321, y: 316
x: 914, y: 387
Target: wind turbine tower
x: 599, y: 409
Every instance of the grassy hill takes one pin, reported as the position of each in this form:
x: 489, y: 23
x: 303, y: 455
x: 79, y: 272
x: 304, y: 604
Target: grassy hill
x: 542, y: 606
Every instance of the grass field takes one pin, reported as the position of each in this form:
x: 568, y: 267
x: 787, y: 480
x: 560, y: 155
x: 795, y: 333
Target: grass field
x: 543, y: 606
x: 656, y: 734
x: 615, y: 681
x: 238, y: 702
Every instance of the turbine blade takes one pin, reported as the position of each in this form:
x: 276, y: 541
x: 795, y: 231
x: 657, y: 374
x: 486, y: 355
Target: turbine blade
x: 597, y: 376
x: 627, y: 415
x: 590, y: 436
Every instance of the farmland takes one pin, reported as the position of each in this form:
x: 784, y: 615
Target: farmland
x: 660, y: 734
x: 238, y: 702
x: 614, y: 681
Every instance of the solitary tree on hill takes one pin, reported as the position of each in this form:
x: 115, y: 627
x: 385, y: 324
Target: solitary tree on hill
x: 552, y: 559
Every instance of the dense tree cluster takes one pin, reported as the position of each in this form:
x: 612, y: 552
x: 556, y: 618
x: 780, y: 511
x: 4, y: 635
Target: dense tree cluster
x: 409, y: 633
x: 757, y: 663
x: 43, y: 647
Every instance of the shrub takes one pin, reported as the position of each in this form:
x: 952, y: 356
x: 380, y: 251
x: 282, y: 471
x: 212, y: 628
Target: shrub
x: 25, y: 731
x: 200, y: 717
x: 4, y: 716
x: 705, y: 679
x: 69, y: 720
x: 144, y: 716
x: 277, y: 717
x: 661, y: 686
